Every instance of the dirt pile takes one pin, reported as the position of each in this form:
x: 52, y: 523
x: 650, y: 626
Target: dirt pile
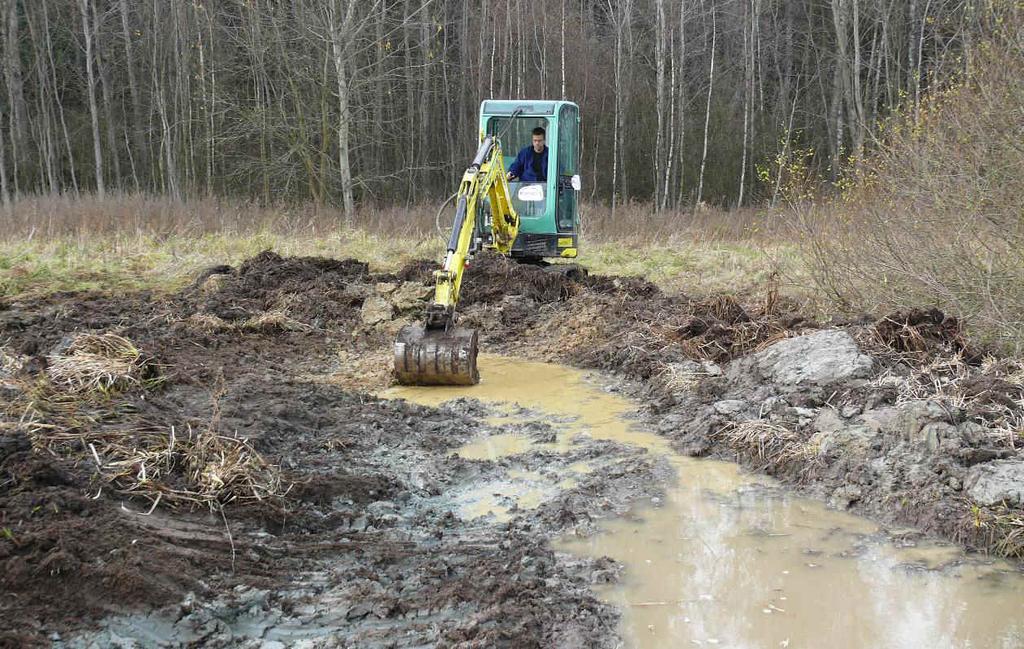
x: 312, y: 290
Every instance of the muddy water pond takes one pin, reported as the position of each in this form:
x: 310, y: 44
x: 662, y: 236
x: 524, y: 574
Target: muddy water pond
x: 729, y: 559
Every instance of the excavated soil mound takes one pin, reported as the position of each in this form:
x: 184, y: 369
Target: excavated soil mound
x: 923, y: 332
x: 490, y: 278
x: 311, y: 290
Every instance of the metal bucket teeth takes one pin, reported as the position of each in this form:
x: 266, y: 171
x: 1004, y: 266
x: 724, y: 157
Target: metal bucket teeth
x: 436, y: 357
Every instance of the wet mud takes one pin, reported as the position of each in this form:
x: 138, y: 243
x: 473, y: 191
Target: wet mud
x: 354, y: 519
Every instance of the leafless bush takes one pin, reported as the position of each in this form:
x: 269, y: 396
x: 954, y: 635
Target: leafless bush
x: 933, y: 217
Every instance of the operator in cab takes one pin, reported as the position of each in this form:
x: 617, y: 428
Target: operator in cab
x: 531, y: 165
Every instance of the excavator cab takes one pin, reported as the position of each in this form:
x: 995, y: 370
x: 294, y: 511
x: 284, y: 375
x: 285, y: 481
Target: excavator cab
x: 548, y: 211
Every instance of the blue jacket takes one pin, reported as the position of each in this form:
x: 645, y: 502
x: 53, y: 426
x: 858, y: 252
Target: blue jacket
x: 522, y: 168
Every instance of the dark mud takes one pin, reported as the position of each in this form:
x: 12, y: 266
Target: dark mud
x: 891, y: 418
x: 359, y: 546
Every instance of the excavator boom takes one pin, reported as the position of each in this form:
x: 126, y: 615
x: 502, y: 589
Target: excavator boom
x: 437, y: 352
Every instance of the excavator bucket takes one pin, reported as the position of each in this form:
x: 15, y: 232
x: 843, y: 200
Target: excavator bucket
x: 436, y: 356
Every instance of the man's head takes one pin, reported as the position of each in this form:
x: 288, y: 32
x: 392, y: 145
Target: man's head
x: 538, y: 139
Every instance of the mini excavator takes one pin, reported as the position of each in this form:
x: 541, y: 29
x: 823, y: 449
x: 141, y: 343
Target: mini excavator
x: 527, y: 221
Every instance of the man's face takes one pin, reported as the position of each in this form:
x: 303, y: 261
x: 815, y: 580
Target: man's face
x: 538, y: 143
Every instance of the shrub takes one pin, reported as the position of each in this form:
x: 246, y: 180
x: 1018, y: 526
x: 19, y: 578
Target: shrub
x: 935, y: 215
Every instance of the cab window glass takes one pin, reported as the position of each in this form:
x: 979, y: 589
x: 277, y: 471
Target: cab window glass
x: 519, y: 134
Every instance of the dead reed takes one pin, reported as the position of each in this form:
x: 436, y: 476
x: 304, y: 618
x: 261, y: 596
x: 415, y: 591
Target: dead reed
x: 77, y: 412
x: 773, y: 445
x: 99, y: 363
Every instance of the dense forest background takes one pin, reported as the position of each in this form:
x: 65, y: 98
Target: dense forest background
x: 341, y: 102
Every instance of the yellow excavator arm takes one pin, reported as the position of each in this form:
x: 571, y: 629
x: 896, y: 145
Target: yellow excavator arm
x: 437, y: 352
x: 485, y: 178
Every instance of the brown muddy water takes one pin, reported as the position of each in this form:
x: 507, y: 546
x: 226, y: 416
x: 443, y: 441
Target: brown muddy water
x: 729, y: 559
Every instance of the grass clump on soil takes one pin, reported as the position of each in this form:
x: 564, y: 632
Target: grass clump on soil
x: 82, y: 410
x: 160, y: 464
x: 772, y: 445
x: 999, y: 528
x: 933, y: 216
x: 99, y: 363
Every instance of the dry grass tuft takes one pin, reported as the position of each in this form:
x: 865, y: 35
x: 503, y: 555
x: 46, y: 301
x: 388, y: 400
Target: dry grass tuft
x: 99, y: 363
x: 10, y: 363
x: 681, y: 377
x: 175, y: 466
x: 197, y: 468
x: 999, y: 528
x: 992, y: 394
x: 275, y: 320
x: 775, y: 446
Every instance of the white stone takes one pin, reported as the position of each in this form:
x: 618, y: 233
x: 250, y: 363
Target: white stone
x: 818, y: 359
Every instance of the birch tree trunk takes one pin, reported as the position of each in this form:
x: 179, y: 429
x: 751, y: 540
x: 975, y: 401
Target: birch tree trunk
x: 659, y: 59
x: 707, y: 109
x: 133, y: 88
x: 341, y: 14
x: 5, y: 192
x: 97, y: 147
x: 17, y: 118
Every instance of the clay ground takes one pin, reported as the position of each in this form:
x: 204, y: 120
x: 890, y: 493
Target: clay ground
x: 210, y: 464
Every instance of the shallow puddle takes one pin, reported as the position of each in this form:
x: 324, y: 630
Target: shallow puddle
x: 728, y: 559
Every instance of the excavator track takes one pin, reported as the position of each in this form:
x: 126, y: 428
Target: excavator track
x: 436, y: 356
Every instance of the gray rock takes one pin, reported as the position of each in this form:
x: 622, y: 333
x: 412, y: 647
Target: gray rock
x: 879, y: 419
x: 375, y: 310
x: 801, y: 414
x: 845, y: 496
x: 913, y: 416
x: 1000, y: 481
x: 773, y: 406
x: 711, y: 369
x: 935, y: 434
x: 819, y: 359
x: 973, y: 433
x: 846, y: 441
x: 410, y: 295
x: 730, y: 407
x: 828, y: 421
x: 850, y: 410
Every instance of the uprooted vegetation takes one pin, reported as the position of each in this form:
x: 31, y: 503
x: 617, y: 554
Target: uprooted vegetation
x: 228, y: 409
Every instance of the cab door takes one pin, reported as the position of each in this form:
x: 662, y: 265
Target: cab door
x: 566, y: 215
